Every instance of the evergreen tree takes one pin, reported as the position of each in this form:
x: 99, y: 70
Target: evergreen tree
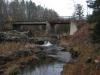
x: 78, y: 14
x: 95, y: 17
x: 96, y: 33
x: 2, y: 13
x: 22, y: 10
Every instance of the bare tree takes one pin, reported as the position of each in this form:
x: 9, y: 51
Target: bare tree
x: 22, y: 10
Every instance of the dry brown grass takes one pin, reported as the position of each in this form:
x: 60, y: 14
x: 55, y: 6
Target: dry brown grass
x: 80, y: 43
x: 11, y: 70
x: 10, y: 47
x: 79, y: 67
x: 7, y: 47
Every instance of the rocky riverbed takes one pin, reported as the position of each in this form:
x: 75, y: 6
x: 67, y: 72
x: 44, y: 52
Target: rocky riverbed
x: 13, y: 62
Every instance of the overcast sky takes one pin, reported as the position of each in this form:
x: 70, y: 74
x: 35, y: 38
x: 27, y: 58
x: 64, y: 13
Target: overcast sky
x: 62, y: 7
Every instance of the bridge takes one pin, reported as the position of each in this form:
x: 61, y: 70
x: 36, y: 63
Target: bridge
x: 49, y: 25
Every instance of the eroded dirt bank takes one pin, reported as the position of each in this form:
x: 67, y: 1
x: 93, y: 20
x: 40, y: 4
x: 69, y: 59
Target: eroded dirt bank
x: 88, y: 62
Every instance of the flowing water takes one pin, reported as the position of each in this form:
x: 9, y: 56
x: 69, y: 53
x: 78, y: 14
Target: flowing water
x: 52, y: 68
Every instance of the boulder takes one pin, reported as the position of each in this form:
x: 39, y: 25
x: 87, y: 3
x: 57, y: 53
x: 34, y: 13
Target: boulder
x: 2, y: 36
x: 74, y: 53
x: 4, y: 59
x: 41, y: 55
x: 88, y: 60
x: 1, y: 72
x: 23, y: 53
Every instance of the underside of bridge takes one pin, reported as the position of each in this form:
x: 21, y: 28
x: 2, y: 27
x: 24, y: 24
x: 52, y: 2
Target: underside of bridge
x: 50, y: 27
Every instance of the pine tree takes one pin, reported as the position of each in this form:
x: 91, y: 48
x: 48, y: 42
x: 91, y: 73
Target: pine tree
x: 95, y: 17
x: 78, y: 14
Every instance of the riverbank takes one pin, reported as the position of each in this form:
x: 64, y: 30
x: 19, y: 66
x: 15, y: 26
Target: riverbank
x: 88, y: 62
x: 14, y: 56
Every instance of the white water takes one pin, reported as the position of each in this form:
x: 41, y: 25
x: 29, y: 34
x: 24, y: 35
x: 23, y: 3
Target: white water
x: 47, y: 44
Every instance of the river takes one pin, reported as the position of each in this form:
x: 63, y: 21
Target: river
x: 52, y: 68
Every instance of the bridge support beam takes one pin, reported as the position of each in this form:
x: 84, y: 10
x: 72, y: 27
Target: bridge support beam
x: 48, y: 27
x: 52, y: 30
x: 16, y: 27
x: 73, y: 28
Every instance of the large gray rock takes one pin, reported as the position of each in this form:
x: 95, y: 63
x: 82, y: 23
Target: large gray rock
x: 13, y: 36
x: 41, y: 55
x: 22, y: 53
x: 62, y: 56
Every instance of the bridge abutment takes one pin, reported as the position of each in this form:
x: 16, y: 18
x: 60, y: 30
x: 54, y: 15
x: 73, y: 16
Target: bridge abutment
x: 73, y: 28
x: 48, y: 27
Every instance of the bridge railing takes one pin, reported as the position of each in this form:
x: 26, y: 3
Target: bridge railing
x: 66, y: 17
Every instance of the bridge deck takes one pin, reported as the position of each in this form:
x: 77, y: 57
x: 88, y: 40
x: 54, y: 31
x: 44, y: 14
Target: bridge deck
x: 18, y: 24
x: 41, y: 23
x: 29, y: 23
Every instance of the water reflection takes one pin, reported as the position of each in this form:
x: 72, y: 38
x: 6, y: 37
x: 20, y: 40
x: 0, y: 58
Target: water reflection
x: 45, y: 69
x: 51, y: 68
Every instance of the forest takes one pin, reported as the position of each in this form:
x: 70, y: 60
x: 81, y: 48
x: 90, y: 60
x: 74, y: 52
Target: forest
x: 21, y: 10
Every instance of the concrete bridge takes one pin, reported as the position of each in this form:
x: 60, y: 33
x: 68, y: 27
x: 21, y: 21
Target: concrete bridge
x: 49, y: 26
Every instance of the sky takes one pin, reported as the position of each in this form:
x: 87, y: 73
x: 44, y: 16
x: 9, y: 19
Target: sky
x: 63, y: 7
